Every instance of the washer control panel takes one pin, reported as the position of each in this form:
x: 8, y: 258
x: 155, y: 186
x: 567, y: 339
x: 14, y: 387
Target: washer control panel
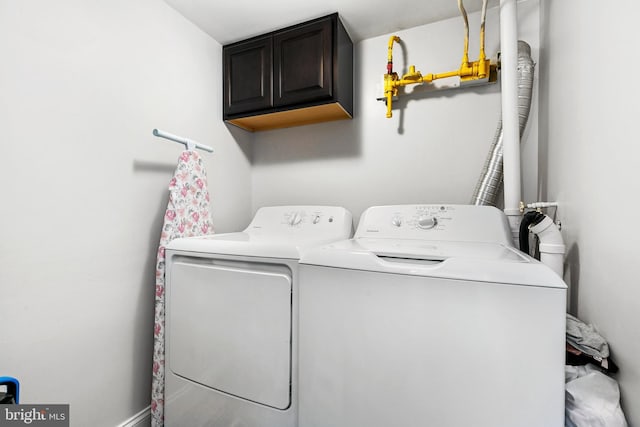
x: 423, y: 217
x: 435, y: 222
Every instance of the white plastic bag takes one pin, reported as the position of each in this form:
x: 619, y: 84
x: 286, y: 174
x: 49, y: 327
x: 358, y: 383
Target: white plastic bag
x: 592, y: 398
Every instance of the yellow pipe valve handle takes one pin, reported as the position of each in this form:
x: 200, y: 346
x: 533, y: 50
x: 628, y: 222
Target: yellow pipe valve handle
x: 413, y: 75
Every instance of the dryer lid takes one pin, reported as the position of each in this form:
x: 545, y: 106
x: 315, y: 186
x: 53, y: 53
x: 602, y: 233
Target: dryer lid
x: 276, y: 232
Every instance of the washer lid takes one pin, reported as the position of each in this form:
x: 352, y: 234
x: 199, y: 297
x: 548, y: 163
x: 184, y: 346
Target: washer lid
x: 436, y: 251
x: 276, y: 232
x: 473, y: 261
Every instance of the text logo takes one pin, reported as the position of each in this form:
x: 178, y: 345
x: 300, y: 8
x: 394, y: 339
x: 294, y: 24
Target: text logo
x: 34, y: 415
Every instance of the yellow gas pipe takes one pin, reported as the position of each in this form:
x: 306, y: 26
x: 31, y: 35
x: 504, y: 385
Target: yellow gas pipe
x: 390, y: 89
x: 468, y: 71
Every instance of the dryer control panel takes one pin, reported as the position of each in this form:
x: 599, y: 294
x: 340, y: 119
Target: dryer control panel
x: 300, y: 221
x: 460, y: 223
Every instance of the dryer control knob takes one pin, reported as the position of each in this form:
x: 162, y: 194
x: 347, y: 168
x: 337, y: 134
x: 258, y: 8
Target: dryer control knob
x: 295, y: 219
x: 396, y: 221
x: 427, y: 222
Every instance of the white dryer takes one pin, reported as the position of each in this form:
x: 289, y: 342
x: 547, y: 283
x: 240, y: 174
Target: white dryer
x: 430, y: 317
x: 231, y: 310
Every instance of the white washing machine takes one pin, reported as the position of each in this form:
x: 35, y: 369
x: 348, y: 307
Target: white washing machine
x: 231, y: 310
x: 430, y: 317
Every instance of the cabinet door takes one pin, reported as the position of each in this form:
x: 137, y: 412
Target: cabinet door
x: 303, y: 64
x: 247, y: 76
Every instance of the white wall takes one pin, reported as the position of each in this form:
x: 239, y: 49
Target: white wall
x: 589, y: 120
x: 82, y: 84
x: 431, y: 151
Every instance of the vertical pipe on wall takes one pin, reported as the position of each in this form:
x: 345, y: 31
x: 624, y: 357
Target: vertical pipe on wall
x: 490, y: 182
x: 510, y: 121
x: 551, y: 244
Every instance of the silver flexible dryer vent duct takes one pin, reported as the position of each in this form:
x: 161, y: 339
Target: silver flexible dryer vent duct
x: 490, y: 182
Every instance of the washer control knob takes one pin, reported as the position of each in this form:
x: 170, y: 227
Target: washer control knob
x: 316, y: 219
x: 427, y: 222
x: 396, y: 221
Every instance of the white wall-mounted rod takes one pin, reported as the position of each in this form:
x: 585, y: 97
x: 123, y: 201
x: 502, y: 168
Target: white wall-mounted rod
x: 540, y: 205
x: 189, y: 144
x: 510, y: 120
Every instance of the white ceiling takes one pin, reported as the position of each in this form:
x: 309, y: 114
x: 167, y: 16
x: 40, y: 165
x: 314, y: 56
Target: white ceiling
x: 234, y: 20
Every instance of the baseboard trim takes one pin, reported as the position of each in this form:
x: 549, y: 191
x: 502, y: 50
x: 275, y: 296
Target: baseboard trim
x: 141, y: 419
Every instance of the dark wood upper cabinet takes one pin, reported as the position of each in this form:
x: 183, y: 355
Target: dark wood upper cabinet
x: 298, y: 75
x: 303, y: 64
x: 247, y: 71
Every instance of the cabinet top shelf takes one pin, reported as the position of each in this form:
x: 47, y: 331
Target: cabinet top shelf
x: 333, y: 16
